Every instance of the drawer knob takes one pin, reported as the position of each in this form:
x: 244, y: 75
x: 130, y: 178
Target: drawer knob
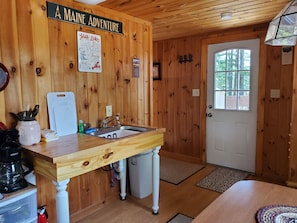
x: 106, y: 156
x: 86, y: 163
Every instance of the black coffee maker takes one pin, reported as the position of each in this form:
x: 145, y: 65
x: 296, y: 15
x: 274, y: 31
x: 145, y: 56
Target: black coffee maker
x: 11, y: 168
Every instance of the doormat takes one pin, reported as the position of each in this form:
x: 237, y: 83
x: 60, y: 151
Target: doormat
x: 221, y: 179
x: 180, y: 218
x: 176, y: 171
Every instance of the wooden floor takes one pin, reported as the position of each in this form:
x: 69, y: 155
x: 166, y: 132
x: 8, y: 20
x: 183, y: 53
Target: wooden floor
x: 185, y: 198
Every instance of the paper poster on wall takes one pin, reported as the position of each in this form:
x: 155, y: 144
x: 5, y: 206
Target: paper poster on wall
x: 287, y: 55
x: 89, y: 52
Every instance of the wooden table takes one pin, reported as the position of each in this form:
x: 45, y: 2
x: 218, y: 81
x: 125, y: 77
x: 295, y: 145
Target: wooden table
x: 241, y: 202
x: 76, y: 154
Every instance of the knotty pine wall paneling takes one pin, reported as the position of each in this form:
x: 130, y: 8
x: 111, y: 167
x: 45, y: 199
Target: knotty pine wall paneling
x: 292, y: 178
x: 27, y: 57
x: 277, y: 116
x: 41, y: 55
x: 174, y: 105
x: 10, y: 57
x: 131, y: 82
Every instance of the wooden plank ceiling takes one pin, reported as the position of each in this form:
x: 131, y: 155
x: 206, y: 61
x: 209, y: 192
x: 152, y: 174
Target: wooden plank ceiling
x: 178, y: 18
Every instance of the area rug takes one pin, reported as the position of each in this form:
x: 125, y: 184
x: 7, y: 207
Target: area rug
x: 277, y: 213
x: 180, y: 218
x: 221, y: 179
x: 176, y: 171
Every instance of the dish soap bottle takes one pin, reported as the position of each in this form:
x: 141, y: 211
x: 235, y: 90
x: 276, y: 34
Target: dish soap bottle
x: 81, y: 128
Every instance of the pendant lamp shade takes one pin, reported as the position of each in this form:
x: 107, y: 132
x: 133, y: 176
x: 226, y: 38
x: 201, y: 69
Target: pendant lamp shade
x: 90, y: 2
x: 282, y: 30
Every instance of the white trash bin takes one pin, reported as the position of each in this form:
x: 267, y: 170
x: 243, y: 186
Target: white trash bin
x: 141, y: 174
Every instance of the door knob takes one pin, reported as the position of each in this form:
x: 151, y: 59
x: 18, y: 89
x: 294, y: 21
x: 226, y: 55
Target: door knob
x: 209, y: 115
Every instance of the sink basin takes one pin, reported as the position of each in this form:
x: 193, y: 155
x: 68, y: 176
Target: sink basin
x: 118, y: 134
x: 119, y: 131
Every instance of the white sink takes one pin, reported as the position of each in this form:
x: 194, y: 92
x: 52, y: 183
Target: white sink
x: 118, y: 134
x: 119, y: 131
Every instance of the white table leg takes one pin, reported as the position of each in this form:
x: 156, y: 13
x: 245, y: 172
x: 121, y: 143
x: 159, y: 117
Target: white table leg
x: 156, y: 179
x: 123, y: 172
x: 62, y: 201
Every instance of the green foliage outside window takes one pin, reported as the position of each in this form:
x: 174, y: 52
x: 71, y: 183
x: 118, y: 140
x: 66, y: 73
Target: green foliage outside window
x: 232, y: 79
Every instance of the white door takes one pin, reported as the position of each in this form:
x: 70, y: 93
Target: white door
x: 232, y: 87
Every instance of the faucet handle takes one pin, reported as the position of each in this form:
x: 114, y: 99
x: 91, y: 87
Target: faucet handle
x: 118, y: 119
x: 104, y: 123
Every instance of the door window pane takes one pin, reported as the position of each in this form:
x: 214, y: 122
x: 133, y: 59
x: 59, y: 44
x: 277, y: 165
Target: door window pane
x: 232, y: 79
x: 231, y: 59
x: 220, y: 83
x: 220, y: 60
x: 243, y: 100
x: 244, y: 80
x: 220, y: 99
x: 231, y: 100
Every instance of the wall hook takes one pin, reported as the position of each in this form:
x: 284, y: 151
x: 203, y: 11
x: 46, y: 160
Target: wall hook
x: 185, y: 58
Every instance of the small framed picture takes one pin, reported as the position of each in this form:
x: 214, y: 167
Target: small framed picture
x: 156, y: 71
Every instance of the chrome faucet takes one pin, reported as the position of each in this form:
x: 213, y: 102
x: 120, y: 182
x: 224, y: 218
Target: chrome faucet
x: 110, y: 119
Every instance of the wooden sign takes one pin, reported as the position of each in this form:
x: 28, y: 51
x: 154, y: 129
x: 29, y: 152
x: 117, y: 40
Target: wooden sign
x: 66, y: 14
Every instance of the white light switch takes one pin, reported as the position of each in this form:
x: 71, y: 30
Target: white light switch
x: 195, y: 92
x: 275, y: 93
x: 108, y: 110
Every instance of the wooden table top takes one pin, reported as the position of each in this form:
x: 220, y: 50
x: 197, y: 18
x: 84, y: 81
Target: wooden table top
x: 241, y: 202
x: 77, y: 154
x: 79, y: 144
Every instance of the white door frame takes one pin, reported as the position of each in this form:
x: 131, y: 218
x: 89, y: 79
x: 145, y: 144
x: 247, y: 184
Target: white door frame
x: 261, y: 90
x: 231, y: 134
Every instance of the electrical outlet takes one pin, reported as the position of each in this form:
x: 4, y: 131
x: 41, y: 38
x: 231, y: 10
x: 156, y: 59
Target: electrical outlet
x: 275, y: 93
x: 108, y: 110
x: 195, y: 92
